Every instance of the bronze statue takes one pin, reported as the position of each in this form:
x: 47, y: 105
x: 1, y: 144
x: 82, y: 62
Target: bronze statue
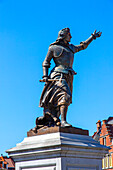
x: 57, y: 92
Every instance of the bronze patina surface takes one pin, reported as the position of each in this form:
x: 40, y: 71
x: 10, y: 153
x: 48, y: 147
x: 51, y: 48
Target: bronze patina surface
x: 57, y: 93
x: 45, y: 130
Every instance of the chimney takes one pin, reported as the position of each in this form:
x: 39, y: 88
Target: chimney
x: 104, y: 121
x: 98, y: 125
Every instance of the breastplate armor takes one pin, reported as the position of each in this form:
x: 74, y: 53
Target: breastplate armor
x: 63, y: 58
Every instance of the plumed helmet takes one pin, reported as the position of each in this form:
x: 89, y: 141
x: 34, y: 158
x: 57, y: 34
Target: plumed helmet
x: 62, y: 33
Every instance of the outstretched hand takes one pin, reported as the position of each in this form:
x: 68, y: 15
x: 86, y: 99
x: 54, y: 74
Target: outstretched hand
x: 96, y: 34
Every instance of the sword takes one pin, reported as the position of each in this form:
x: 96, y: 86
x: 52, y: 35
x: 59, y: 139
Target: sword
x: 51, y: 80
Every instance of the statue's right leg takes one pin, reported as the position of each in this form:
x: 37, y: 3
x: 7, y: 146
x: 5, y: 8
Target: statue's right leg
x: 63, y: 111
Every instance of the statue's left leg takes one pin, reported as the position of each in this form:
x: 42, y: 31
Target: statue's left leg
x: 63, y: 111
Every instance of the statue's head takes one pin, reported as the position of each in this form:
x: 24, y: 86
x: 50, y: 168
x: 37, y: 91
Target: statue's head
x: 64, y: 34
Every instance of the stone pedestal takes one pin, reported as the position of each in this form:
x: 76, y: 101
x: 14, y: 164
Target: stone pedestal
x: 58, y: 151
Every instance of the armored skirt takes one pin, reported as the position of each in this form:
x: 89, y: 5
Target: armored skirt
x: 57, y: 93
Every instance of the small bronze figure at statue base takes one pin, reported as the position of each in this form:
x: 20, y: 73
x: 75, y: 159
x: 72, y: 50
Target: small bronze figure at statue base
x: 57, y: 93
x: 46, y: 121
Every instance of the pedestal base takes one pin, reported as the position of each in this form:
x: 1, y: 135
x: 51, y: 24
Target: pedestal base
x: 46, y: 130
x: 58, y: 151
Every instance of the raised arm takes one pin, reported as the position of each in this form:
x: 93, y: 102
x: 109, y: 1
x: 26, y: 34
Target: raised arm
x: 84, y: 44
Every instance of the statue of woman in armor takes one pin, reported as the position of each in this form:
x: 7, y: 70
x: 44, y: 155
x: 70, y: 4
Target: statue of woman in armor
x: 57, y: 93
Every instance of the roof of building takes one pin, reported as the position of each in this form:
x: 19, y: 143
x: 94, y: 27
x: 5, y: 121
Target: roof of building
x: 8, y: 161
x: 109, y: 126
x: 1, y: 158
x: 96, y: 135
x: 110, y: 120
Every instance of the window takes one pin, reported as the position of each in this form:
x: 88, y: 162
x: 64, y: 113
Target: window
x: 4, y: 165
x: 103, y: 162
x: 106, y: 162
x: 104, y: 140
x: 110, y: 161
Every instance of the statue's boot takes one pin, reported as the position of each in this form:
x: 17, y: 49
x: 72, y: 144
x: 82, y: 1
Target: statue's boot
x: 63, y: 111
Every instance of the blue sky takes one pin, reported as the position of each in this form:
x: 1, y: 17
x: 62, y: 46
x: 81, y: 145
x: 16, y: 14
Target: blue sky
x: 26, y: 30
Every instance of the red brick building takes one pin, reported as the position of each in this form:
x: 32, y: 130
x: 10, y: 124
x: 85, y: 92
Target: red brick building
x: 6, y: 163
x: 104, y: 135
